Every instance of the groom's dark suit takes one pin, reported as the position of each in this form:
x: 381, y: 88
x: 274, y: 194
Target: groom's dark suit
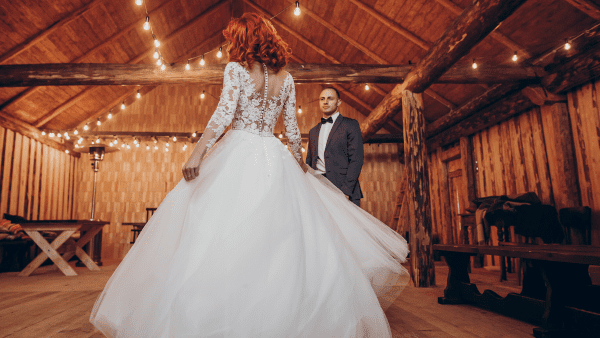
x: 343, y: 155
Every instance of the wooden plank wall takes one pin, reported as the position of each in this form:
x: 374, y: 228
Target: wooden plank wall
x: 36, y: 181
x: 131, y: 180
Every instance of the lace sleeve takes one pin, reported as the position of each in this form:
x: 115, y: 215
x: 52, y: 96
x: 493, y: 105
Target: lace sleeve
x: 223, y: 115
x: 291, y: 124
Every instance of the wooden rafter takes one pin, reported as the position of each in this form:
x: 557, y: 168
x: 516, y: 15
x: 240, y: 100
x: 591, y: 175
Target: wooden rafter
x: 367, y: 51
x: 589, y: 8
x: 109, y: 41
x: 478, y: 20
x: 148, y: 74
x: 173, y: 35
x: 456, y: 9
x: 15, y: 51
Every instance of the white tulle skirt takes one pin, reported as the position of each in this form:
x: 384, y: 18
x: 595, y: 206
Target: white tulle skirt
x: 254, y: 247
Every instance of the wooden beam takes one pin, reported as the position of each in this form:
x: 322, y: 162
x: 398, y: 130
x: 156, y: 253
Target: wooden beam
x: 103, y: 74
x: 362, y: 48
x: 30, y: 91
x: 576, y: 70
x: 394, y: 26
x: 477, y: 20
x: 32, y: 132
x: 493, y: 114
x: 541, y: 97
x: 589, y: 8
x: 466, y: 165
x: 415, y: 159
x: 15, y: 51
x: 513, y: 46
x: 472, y: 107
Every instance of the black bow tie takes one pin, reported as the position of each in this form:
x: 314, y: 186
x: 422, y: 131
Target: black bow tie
x: 327, y: 120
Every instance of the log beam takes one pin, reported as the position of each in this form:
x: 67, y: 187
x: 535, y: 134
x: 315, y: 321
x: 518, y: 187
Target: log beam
x: 589, y: 8
x: 102, y: 74
x: 476, y: 21
x: 415, y: 159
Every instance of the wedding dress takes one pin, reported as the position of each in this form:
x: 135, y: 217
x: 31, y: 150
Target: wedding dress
x: 255, y: 247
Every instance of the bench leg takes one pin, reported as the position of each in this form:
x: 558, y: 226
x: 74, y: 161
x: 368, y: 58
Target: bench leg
x: 49, y: 251
x: 458, y: 265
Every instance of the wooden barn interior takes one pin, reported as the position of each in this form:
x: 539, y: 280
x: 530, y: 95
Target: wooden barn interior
x: 465, y: 106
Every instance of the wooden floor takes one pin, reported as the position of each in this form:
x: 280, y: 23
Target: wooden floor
x: 52, y: 305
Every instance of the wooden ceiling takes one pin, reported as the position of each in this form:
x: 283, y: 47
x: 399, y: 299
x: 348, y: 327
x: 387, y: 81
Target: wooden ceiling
x: 335, y: 31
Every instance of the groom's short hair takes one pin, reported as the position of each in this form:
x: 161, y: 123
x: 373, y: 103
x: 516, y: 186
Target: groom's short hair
x: 336, y: 92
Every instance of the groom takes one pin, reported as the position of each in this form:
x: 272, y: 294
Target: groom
x: 335, y: 147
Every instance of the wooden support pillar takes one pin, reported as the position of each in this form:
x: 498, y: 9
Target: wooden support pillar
x: 415, y: 158
x: 466, y: 164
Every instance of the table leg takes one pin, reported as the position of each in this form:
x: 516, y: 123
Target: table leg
x: 458, y: 264
x: 83, y: 256
x: 49, y: 251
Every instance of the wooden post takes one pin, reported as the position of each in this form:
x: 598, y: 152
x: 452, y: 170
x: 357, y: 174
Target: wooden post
x: 466, y: 164
x: 415, y: 157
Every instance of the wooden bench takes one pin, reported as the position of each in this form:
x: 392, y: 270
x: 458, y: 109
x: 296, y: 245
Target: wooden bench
x: 557, y: 291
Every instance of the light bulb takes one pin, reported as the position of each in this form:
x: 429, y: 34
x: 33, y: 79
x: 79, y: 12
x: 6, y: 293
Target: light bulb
x: 67, y: 137
x: 58, y: 135
x: 202, y: 61
x: 367, y: 87
x: 155, y: 53
x: 155, y: 140
x: 80, y: 140
x: 184, y: 146
x: 110, y: 143
x: 147, y: 23
x: 202, y: 95
x: 280, y: 135
x: 515, y: 58
x: 299, y: 109
x: 474, y: 64
x: 123, y: 105
x: 109, y: 116
x: 135, y: 141
x: 167, y: 149
x: 219, y: 53
x: 156, y: 42
x: 187, y: 66
x: 155, y: 147
x: 194, y: 134
x: 93, y: 142
x: 162, y: 67
x: 158, y: 62
x: 122, y: 145
x: 43, y: 133
x: 167, y: 143
x: 86, y: 127
x: 116, y: 140
x: 297, y: 9
x: 137, y: 145
x: 138, y: 2
x: 75, y: 132
x: 98, y: 122
x: 303, y: 150
x: 138, y: 95
x: 51, y: 134
x: 147, y: 147
x: 67, y: 151
x: 97, y: 140
x: 567, y: 45
x: 128, y: 146
x: 174, y: 138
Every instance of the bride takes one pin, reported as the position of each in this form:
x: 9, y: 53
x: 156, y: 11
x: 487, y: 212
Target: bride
x: 249, y: 244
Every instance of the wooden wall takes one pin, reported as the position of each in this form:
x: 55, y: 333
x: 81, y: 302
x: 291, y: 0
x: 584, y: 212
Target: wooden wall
x: 131, y: 180
x: 36, y: 181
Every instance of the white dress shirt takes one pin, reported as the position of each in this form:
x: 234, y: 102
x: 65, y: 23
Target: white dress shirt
x: 323, y: 136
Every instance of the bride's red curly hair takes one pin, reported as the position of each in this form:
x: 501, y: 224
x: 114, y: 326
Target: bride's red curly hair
x: 253, y: 38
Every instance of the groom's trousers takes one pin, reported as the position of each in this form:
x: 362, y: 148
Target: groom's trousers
x: 355, y: 201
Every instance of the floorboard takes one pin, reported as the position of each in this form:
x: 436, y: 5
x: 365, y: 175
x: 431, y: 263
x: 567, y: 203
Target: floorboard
x: 52, y: 305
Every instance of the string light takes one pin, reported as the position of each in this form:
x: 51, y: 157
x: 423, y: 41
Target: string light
x: 202, y: 61
x: 219, y: 53
x: 110, y: 143
x: 98, y: 140
x: 135, y: 141
x: 137, y: 145
x: 138, y: 95
x: 67, y: 136
x: 138, y: 2
x: 51, y: 134
x: 155, y: 53
x: 122, y: 145
x: 128, y: 146
x: 147, y: 147
x: 162, y: 67
x: 367, y: 87
x: 187, y: 66
x: 280, y: 135
x: 194, y: 134
x: 297, y: 9
x: 67, y: 151
x: 123, y: 105
x: 155, y: 140
x: 86, y: 127
x: 167, y: 150
x: 303, y: 150
x: 76, y: 132
x: 155, y: 147
x: 43, y: 133
x: 202, y: 95
x: 158, y: 62
x: 156, y: 42
x: 567, y: 44
x: 474, y: 64
x: 116, y: 140
x: 109, y: 116
x: 299, y: 109
x: 174, y: 138
x: 515, y: 58
x: 184, y: 146
x: 98, y: 122
x: 80, y: 140
x: 167, y: 144
x: 147, y: 23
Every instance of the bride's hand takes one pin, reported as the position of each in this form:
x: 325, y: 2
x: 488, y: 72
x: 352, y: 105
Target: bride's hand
x: 191, y: 169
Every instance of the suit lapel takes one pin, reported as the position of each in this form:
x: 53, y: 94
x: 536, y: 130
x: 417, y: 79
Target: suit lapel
x: 316, y: 153
x: 335, y: 126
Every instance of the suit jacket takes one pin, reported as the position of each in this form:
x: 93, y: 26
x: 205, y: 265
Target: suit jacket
x: 344, y: 154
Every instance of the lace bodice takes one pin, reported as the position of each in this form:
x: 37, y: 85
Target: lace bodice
x: 252, y: 100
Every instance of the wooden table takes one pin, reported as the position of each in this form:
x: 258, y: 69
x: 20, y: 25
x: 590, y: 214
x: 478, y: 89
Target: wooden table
x: 557, y: 290
x: 67, y: 229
